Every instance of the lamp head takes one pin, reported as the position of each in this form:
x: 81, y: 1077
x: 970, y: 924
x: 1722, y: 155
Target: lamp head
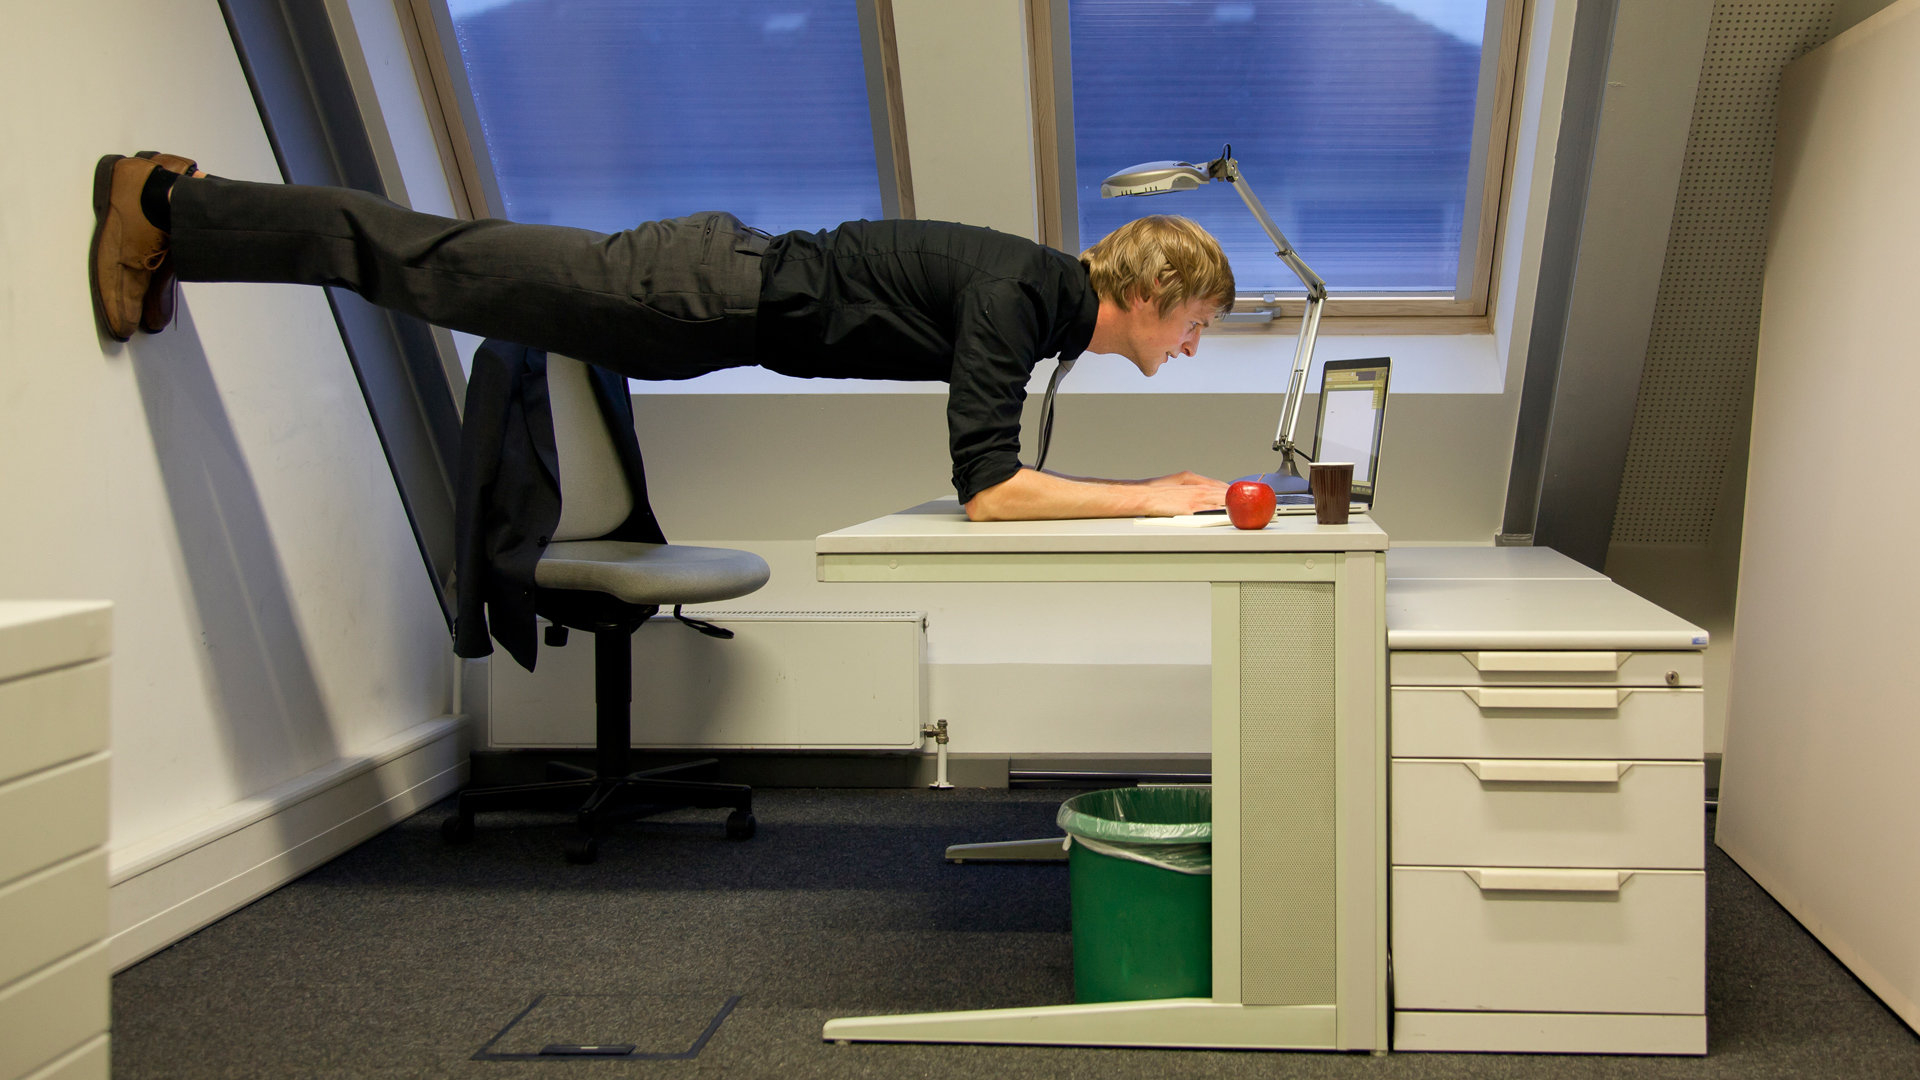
x: 1153, y: 178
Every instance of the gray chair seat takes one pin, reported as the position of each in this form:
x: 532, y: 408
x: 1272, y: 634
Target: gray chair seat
x: 657, y: 574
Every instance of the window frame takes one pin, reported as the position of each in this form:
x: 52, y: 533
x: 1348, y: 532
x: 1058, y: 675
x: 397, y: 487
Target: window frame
x: 1467, y: 311
x: 461, y: 140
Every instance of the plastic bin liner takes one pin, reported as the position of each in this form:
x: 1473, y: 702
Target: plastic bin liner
x: 1167, y: 827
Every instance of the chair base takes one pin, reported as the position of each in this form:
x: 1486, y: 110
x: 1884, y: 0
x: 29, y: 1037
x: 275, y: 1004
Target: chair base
x: 595, y: 801
x: 612, y: 790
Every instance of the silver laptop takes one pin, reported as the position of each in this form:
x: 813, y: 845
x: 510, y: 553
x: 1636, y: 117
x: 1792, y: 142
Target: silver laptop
x: 1353, y: 410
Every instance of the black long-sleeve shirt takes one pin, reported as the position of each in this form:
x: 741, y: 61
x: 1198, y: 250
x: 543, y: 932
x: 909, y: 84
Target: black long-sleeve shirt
x: 928, y: 300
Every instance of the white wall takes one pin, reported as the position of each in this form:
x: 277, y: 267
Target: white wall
x: 219, y: 483
x: 972, y: 151
x: 1817, y: 795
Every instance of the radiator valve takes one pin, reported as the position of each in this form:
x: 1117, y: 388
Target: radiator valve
x: 937, y: 731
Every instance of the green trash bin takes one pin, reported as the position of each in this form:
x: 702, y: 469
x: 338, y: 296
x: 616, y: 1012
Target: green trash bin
x: 1140, y: 877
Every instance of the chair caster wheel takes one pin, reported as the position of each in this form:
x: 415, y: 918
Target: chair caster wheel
x: 457, y: 829
x: 740, y: 825
x: 583, y: 849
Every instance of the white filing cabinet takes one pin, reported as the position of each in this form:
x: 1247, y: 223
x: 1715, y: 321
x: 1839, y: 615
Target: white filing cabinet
x: 53, y: 830
x: 1546, y: 836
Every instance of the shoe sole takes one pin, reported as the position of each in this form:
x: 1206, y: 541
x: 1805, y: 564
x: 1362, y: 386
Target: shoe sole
x: 102, y: 197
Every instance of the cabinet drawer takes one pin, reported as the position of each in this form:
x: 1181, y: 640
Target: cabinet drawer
x: 51, y: 815
x: 52, y: 1011
x: 47, y: 915
x: 1545, y: 668
x: 1501, y: 812
x: 1549, y: 940
x: 89, y: 1062
x: 1625, y: 723
x: 50, y: 718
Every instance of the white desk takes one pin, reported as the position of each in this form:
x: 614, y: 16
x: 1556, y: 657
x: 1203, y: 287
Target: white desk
x: 1456, y: 562
x: 1299, y: 759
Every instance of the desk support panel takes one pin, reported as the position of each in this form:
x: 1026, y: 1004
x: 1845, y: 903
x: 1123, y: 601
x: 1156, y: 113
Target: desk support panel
x: 1274, y: 794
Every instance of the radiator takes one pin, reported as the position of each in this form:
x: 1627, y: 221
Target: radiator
x: 816, y: 680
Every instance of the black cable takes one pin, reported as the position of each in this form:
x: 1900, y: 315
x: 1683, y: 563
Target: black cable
x: 1047, y: 412
x: 706, y: 628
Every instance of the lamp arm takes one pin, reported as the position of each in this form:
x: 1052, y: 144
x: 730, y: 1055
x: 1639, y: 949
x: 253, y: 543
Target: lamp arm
x: 1297, y: 383
x: 1227, y: 169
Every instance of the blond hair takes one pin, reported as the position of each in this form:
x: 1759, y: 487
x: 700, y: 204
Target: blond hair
x: 1167, y: 260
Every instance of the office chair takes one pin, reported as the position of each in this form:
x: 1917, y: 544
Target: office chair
x: 610, y: 588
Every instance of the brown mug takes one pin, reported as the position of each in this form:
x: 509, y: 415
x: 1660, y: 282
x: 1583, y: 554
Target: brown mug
x: 1332, y: 485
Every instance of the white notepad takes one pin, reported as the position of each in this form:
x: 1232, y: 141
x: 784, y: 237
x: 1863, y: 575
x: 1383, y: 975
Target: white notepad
x: 1187, y: 521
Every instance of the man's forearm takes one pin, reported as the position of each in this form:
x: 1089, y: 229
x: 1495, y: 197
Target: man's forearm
x: 1031, y: 496
x: 1089, y: 479
x: 1151, y: 481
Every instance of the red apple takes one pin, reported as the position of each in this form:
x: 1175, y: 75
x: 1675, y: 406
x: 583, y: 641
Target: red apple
x: 1249, y: 504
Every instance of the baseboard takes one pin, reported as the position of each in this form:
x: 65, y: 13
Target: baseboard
x: 1549, y: 1033
x: 164, y: 888
x: 1004, y: 709
x: 866, y: 769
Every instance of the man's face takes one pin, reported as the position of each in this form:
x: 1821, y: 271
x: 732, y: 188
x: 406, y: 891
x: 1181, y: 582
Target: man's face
x: 1158, y: 338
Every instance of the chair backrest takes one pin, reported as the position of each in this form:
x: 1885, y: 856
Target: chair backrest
x: 594, y: 493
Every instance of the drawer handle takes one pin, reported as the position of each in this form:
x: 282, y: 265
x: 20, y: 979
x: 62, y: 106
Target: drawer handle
x: 1549, y: 772
x: 1527, y: 698
x: 1547, y: 661
x: 1578, y: 881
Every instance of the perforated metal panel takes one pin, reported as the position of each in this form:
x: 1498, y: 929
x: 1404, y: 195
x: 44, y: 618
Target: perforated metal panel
x: 1700, y: 356
x: 1288, y: 900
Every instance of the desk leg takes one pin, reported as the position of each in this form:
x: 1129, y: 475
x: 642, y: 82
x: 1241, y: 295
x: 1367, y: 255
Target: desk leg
x: 1299, y: 916
x: 1186, y: 1023
x: 1052, y: 849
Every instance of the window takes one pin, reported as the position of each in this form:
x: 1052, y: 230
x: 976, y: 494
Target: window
x: 603, y: 113
x: 1364, y: 126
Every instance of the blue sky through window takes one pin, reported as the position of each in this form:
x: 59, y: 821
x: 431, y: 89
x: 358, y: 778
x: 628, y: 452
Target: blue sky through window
x: 604, y: 113
x: 1351, y: 119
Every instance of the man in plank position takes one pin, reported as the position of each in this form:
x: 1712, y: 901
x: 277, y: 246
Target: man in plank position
x: 910, y: 300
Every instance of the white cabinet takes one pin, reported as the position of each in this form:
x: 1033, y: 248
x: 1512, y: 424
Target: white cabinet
x: 1546, y: 831
x: 1530, y: 812
x: 53, y: 864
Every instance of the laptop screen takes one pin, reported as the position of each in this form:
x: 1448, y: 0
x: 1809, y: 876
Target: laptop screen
x: 1353, y: 402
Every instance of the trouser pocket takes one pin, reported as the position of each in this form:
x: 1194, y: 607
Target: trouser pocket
x: 696, y: 288
x: 695, y: 268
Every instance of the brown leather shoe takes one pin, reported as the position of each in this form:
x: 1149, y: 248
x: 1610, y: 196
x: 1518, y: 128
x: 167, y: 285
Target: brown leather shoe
x: 126, y: 246
x: 163, y: 290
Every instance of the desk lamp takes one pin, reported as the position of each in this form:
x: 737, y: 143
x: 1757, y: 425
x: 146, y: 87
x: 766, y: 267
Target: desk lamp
x: 1157, y: 177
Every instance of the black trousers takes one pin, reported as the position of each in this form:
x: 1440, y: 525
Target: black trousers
x: 664, y: 300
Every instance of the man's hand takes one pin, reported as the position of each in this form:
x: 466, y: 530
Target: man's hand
x: 1170, y: 500
x: 1187, y: 479
x: 1030, y: 496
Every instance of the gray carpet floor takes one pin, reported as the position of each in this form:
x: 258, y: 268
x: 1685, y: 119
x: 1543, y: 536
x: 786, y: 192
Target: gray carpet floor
x: 406, y: 958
